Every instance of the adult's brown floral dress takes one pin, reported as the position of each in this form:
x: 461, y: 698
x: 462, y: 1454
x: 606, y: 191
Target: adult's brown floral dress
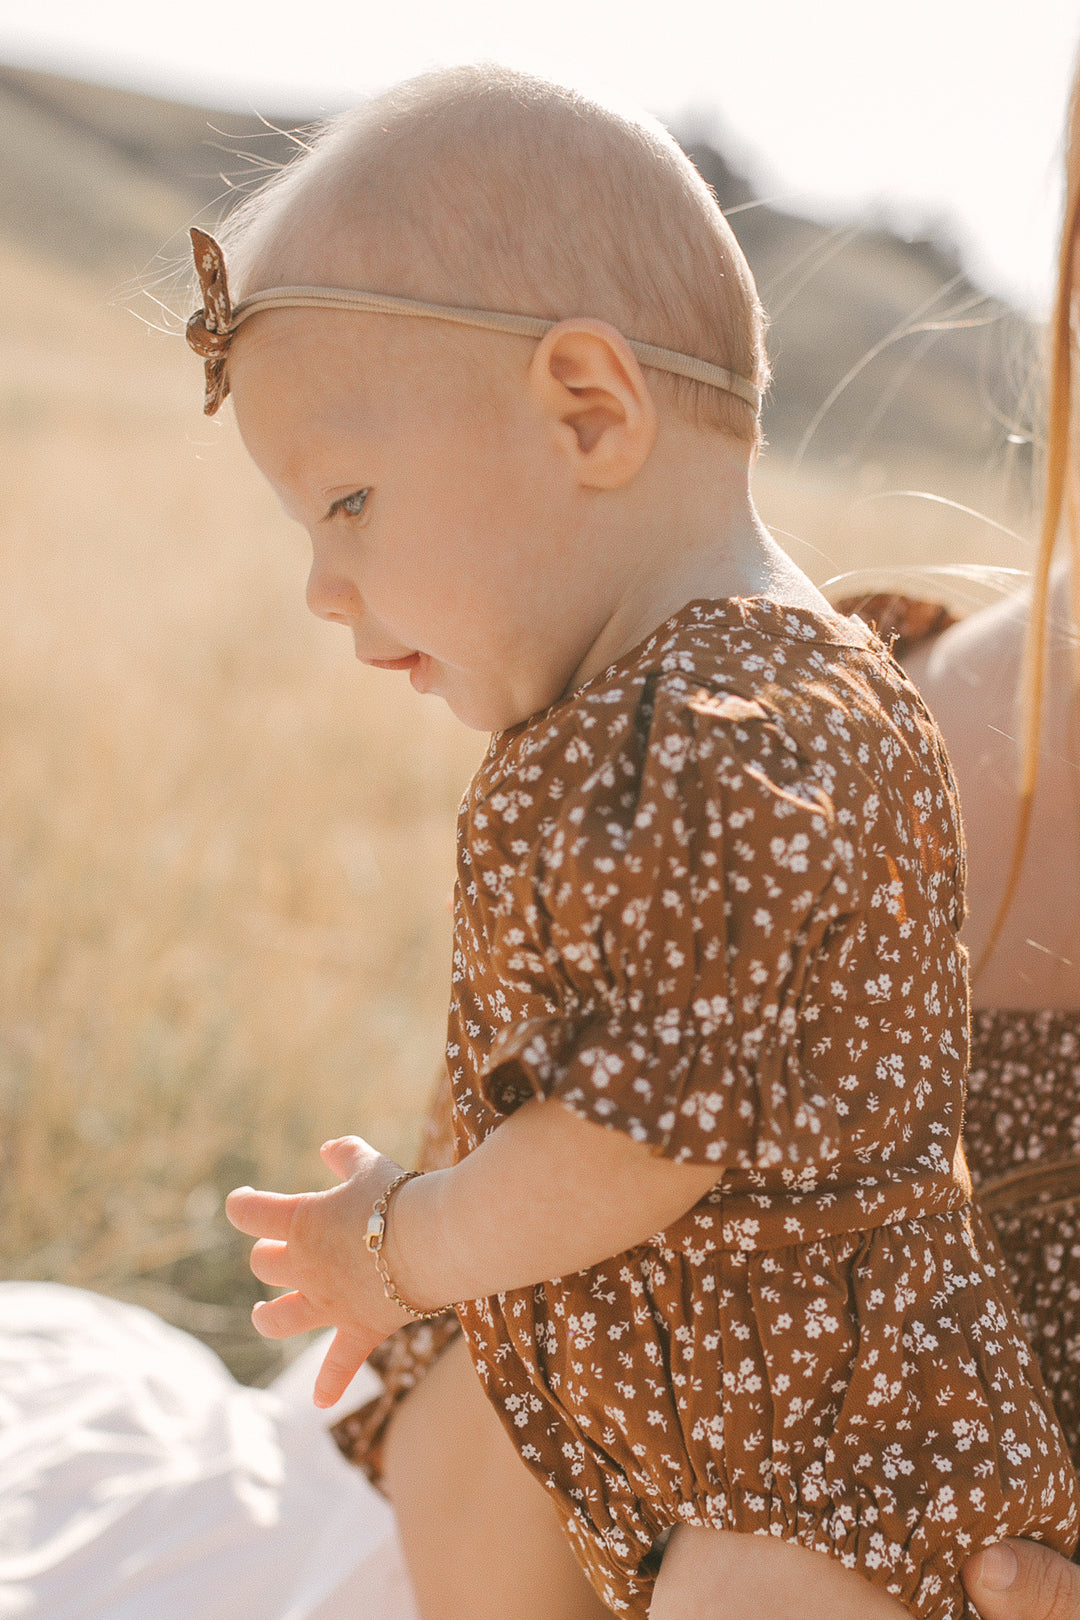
x: 712, y: 899
x: 1021, y: 1121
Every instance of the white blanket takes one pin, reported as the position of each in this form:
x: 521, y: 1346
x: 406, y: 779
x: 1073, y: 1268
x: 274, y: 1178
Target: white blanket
x: 139, y: 1481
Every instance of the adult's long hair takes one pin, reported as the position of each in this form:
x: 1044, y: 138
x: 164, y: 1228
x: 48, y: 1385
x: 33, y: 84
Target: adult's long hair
x: 1060, y: 513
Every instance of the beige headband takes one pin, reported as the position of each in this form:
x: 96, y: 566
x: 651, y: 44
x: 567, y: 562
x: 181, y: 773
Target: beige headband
x: 210, y: 329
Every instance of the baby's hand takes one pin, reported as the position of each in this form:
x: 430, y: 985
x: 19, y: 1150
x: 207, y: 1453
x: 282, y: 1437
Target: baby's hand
x: 313, y: 1245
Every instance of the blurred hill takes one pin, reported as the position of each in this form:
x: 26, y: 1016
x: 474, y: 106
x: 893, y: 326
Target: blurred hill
x: 935, y: 364
x: 884, y: 351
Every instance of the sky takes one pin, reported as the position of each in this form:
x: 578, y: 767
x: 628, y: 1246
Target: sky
x: 933, y: 115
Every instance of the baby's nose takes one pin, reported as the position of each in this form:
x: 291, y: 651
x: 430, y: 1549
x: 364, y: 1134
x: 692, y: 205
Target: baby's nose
x: 331, y: 595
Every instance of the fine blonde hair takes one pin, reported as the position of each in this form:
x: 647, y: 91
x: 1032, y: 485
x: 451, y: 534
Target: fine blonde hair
x: 486, y: 187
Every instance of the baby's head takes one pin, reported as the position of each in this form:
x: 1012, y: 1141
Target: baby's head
x: 467, y: 465
x: 483, y: 187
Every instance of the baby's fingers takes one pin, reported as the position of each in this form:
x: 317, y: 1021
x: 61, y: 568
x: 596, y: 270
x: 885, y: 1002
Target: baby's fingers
x: 291, y: 1313
x: 261, y: 1214
x: 341, y: 1364
x: 271, y: 1264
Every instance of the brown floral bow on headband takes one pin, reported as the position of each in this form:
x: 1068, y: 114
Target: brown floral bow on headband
x: 211, y: 329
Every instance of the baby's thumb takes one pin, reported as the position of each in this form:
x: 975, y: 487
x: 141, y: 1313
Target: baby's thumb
x: 1022, y: 1580
x: 346, y: 1155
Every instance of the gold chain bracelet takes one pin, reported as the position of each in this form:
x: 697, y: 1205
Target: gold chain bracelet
x: 373, y: 1240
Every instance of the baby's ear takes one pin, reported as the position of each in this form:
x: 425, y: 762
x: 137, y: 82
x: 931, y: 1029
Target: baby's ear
x: 589, y: 384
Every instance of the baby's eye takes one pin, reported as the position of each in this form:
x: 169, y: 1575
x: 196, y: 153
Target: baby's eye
x: 354, y: 504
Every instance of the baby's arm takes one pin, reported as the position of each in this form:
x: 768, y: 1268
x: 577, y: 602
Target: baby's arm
x: 545, y: 1195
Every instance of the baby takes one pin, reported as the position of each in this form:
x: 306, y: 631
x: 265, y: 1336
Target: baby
x: 709, y: 1235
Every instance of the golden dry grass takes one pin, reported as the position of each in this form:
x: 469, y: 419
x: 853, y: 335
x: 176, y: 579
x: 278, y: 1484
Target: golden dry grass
x: 226, y: 849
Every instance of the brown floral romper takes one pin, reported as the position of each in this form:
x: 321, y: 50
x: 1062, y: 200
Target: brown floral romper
x: 712, y: 900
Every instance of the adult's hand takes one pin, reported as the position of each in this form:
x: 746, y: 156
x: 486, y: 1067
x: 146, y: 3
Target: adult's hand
x: 1022, y: 1580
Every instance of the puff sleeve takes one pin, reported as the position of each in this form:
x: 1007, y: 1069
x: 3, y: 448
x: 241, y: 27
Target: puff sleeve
x: 688, y: 892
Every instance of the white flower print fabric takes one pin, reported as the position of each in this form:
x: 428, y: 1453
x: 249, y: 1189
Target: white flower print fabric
x: 712, y: 900
x: 1022, y: 1128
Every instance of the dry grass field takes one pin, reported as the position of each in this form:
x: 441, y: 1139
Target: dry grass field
x: 226, y: 849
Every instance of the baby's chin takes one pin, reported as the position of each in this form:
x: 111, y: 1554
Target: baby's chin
x: 478, y: 707
x: 487, y: 717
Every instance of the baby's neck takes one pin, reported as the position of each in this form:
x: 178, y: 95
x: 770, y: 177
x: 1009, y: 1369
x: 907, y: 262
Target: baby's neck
x: 705, y: 542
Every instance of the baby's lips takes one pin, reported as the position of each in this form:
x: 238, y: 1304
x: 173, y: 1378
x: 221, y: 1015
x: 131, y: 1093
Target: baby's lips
x: 392, y: 663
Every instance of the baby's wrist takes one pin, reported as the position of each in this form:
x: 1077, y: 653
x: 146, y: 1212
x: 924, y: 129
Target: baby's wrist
x: 410, y: 1286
